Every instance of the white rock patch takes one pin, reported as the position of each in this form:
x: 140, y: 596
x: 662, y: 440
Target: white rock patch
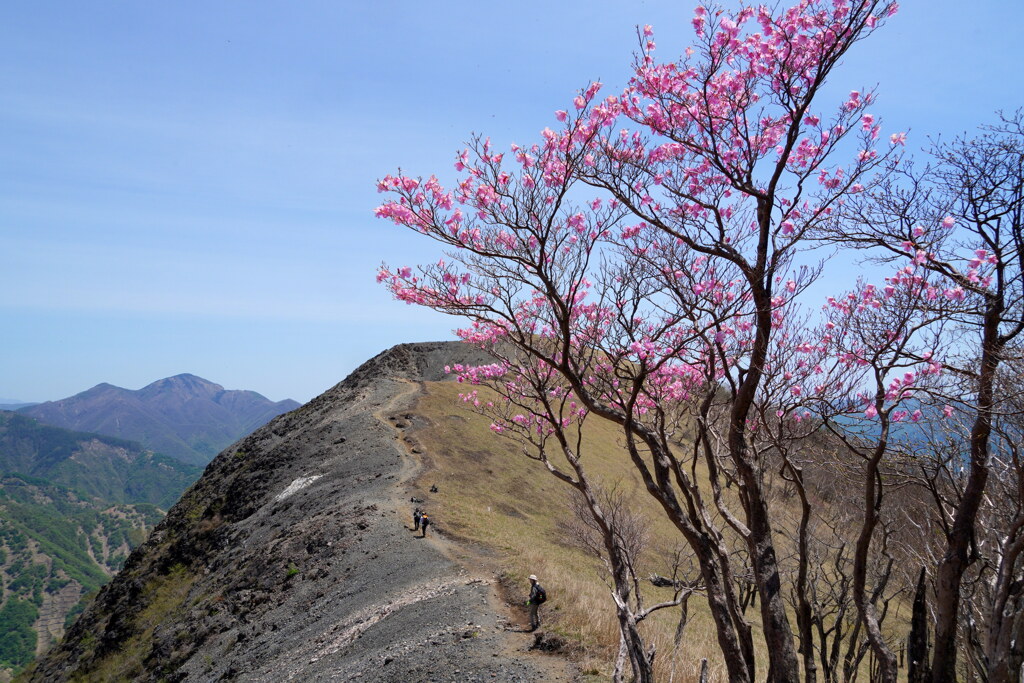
x: 297, y: 485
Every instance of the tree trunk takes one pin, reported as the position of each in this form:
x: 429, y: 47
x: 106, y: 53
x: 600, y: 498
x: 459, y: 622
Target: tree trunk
x: 1005, y: 642
x: 620, y: 659
x: 804, y: 613
x: 783, y: 666
x: 917, y: 643
x: 631, y: 646
x: 778, y: 634
x: 955, y: 561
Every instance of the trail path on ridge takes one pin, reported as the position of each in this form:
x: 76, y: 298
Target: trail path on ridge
x: 301, y: 564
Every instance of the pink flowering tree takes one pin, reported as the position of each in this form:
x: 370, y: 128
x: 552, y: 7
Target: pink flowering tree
x: 644, y: 258
x: 522, y: 254
x: 874, y: 359
x: 961, y: 221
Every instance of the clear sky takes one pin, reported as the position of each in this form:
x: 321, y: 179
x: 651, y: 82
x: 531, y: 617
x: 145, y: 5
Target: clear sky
x: 189, y: 186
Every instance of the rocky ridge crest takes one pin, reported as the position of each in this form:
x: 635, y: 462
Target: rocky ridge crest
x: 290, y: 559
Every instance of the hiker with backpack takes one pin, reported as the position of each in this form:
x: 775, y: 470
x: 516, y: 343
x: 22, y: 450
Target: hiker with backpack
x: 417, y: 516
x: 424, y: 523
x: 537, y: 598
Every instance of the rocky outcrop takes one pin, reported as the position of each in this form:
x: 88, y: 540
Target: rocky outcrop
x: 290, y: 559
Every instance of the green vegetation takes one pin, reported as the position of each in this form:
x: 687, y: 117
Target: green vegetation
x: 114, y: 470
x: 72, y: 506
x: 162, y: 596
x: 59, y: 525
x: 50, y: 538
x: 18, y: 644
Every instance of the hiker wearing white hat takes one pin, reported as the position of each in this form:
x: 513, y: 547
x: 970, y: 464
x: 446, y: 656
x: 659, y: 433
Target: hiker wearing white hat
x: 537, y: 598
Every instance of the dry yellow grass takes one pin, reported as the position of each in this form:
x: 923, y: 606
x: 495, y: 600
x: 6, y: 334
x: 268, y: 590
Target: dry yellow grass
x: 491, y: 494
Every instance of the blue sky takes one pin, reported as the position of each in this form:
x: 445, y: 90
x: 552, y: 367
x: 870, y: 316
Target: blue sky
x: 189, y: 187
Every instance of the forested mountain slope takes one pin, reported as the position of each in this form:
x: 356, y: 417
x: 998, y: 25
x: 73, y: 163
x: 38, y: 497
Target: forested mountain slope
x: 72, y: 506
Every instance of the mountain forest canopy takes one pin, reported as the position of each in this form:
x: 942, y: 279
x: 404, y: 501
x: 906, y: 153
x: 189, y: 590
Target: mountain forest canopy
x: 651, y: 262
x: 72, y: 506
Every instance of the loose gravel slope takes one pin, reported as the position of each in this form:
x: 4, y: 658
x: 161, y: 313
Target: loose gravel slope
x: 290, y: 560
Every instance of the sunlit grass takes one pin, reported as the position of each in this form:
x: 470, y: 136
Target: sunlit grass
x: 490, y: 493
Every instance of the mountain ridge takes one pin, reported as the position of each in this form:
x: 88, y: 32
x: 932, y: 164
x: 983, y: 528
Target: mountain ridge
x: 291, y: 559
x: 183, y: 416
x: 93, y: 465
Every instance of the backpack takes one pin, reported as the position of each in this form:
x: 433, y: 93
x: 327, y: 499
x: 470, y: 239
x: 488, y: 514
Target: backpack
x: 541, y: 597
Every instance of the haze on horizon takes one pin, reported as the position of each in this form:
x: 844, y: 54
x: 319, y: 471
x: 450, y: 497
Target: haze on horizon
x: 189, y: 188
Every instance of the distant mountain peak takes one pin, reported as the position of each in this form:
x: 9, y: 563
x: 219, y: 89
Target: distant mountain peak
x: 101, y: 389
x: 187, y: 378
x: 184, y: 416
x: 184, y: 383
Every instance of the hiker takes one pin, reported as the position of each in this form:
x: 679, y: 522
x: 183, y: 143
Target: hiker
x: 417, y: 515
x: 424, y: 523
x: 537, y: 598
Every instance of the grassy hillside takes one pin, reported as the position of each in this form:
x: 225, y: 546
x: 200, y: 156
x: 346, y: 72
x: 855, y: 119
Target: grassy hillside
x: 491, y: 494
